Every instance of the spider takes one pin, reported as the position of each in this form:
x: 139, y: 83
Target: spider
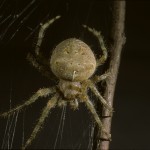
x: 74, y: 64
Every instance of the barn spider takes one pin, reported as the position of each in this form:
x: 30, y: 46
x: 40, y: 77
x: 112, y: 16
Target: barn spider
x: 73, y: 63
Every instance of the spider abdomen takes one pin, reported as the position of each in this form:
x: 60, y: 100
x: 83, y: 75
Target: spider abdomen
x: 70, y: 90
x: 73, y: 60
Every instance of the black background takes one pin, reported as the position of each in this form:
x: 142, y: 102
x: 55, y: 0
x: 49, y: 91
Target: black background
x: 19, y: 80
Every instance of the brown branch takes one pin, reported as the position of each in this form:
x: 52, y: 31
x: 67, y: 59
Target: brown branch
x: 118, y: 40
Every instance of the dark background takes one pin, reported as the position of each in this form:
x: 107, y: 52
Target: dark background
x: 19, y: 80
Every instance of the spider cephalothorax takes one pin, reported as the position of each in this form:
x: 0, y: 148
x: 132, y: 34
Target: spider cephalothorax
x: 74, y: 64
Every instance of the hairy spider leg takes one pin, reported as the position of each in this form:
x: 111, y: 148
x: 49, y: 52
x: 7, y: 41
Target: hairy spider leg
x: 51, y: 104
x: 39, y: 62
x: 44, y: 70
x: 100, y: 97
x: 40, y: 93
x: 103, y: 58
x: 91, y: 108
x: 95, y: 79
x: 43, y: 28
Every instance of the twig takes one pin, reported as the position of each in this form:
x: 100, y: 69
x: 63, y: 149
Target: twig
x: 116, y: 45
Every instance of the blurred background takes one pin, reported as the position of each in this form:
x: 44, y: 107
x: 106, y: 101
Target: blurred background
x: 19, y: 24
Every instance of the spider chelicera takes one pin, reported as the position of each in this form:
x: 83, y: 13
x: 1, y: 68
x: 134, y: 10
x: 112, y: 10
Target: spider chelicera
x: 73, y: 63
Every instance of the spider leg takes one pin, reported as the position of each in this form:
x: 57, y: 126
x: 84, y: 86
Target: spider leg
x: 91, y: 108
x: 41, y: 68
x: 51, y: 104
x: 43, y: 28
x: 97, y: 34
x: 102, y: 77
x: 40, y: 93
x: 100, y: 97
